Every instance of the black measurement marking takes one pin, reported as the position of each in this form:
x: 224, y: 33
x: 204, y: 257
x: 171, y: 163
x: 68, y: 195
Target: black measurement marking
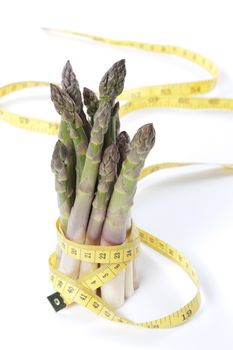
x: 187, y: 315
x: 117, y: 255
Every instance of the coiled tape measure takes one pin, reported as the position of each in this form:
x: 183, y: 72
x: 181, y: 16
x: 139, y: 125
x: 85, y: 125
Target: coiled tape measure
x: 114, y: 259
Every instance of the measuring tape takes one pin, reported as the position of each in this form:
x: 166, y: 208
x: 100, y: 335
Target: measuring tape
x: 115, y: 258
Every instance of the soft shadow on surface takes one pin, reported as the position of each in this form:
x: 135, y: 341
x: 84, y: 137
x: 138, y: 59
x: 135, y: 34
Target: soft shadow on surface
x: 159, y: 188
x: 124, y: 334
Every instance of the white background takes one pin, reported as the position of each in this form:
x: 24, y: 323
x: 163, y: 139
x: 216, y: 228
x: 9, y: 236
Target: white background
x: 191, y: 208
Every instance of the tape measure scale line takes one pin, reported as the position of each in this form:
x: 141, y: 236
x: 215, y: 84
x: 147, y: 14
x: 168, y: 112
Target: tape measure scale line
x: 99, y: 254
x: 85, y: 285
x: 168, y: 95
x: 77, y: 291
x: 179, y: 88
x: 22, y: 121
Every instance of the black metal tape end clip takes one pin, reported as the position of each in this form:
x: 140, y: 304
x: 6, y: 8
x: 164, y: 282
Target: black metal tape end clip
x: 56, y: 301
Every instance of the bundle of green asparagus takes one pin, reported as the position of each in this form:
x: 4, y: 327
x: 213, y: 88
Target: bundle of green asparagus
x: 96, y: 170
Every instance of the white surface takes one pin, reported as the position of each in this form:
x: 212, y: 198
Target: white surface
x: 191, y: 208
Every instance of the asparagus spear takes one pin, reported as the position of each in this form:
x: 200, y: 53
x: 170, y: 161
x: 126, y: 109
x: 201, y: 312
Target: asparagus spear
x: 64, y: 137
x: 107, y: 176
x: 91, y: 101
x: 110, y: 88
x: 118, y: 70
x: 71, y: 86
x: 122, y: 143
x: 59, y: 166
x: 114, y: 229
x: 65, y: 106
x: 111, y: 134
x: 81, y: 209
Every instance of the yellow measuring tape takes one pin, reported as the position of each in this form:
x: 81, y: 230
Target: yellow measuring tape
x: 115, y: 259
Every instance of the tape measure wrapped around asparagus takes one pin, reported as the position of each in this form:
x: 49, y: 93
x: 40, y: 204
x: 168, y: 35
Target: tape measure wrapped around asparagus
x: 96, y: 171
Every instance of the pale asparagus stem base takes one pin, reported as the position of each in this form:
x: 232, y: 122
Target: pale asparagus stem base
x: 129, y: 285
x: 87, y: 267
x: 113, y: 292
x: 136, y: 277
x: 132, y: 274
x: 64, y: 223
x: 69, y: 265
x: 122, y: 287
x: 93, y: 236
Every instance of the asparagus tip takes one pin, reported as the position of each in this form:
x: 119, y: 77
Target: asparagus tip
x: 144, y: 138
x: 59, y: 156
x: 110, y: 159
x: 63, y: 103
x: 112, y: 83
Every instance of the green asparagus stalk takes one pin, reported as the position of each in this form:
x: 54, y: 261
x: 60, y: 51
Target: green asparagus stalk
x: 111, y: 134
x: 122, y: 142
x: 114, y: 229
x: 110, y: 88
x: 71, y: 86
x: 59, y: 166
x: 64, y: 137
x: 118, y: 125
x: 107, y: 177
x: 91, y: 102
x: 65, y: 106
x: 81, y: 209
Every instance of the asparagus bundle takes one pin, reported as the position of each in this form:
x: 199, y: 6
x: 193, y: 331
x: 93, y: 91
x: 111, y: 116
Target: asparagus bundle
x: 110, y: 87
x: 96, y: 170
